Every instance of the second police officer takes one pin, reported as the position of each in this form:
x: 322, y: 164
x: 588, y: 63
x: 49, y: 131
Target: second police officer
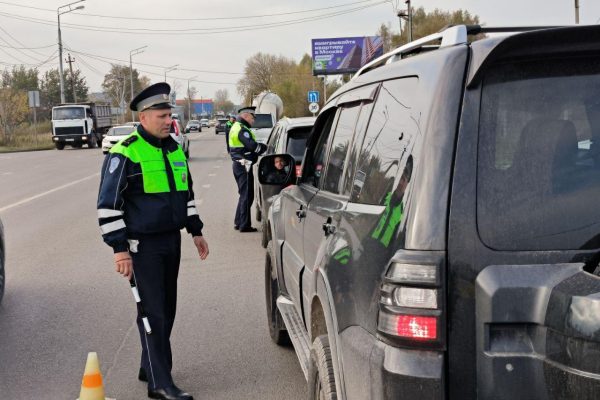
x: 244, y: 151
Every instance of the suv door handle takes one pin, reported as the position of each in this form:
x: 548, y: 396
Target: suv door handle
x: 300, y: 213
x: 328, y: 228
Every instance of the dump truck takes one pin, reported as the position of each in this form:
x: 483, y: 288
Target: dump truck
x: 76, y: 124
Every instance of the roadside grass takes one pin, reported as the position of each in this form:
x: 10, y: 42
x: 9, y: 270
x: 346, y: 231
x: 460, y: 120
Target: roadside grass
x: 25, y: 138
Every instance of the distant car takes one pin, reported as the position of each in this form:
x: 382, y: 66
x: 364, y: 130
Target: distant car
x: 193, y: 125
x: 289, y: 136
x: 2, y: 259
x: 132, y: 123
x: 115, y: 134
x: 204, y: 122
x: 180, y: 137
x: 221, y: 125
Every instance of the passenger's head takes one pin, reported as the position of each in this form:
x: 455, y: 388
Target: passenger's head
x: 279, y: 163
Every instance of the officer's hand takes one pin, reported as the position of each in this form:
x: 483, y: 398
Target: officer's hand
x: 123, y: 264
x: 202, y: 246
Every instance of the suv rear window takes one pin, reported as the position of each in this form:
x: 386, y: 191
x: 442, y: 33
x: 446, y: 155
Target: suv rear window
x: 262, y: 121
x: 538, y: 180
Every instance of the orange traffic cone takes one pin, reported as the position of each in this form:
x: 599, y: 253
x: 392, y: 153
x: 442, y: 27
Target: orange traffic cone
x: 91, y: 384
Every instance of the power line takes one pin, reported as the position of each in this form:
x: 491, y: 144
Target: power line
x: 197, y: 19
x: 29, y: 48
x: 193, y: 31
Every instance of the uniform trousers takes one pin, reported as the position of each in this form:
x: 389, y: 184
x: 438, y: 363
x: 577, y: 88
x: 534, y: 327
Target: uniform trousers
x: 156, y: 267
x: 245, y: 184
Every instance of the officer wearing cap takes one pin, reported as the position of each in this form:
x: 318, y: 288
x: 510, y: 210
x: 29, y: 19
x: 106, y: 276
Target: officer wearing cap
x: 145, y: 199
x: 230, y: 121
x: 244, y: 151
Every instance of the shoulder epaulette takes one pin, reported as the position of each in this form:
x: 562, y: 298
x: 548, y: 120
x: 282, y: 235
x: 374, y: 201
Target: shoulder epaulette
x: 129, y: 140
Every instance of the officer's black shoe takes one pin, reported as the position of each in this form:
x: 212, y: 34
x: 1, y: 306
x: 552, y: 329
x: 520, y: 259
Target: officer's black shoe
x: 169, y: 393
x: 142, y: 375
x: 237, y: 228
x: 248, y: 229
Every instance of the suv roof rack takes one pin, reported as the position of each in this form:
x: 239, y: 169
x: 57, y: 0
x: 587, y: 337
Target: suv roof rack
x: 449, y: 36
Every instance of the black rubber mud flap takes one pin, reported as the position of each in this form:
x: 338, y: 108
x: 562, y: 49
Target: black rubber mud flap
x: 538, y: 332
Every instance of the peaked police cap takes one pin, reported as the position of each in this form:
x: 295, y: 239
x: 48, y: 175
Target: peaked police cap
x: 154, y: 97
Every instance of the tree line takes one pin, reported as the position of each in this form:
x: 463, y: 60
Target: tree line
x: 291, y: 80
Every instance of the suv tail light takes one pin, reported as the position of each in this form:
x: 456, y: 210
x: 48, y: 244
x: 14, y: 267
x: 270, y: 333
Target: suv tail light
x: 298, y: 170
x: 411, y: 306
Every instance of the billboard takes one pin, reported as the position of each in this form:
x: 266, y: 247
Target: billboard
x: 344, y: 55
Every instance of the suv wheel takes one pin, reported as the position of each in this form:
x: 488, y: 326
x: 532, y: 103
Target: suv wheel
x: 277, y: 329
x: 258, y: 213
x: 2, y: 279
x: 59, y: 145
x: 321, y: 381
x: 264, y: 227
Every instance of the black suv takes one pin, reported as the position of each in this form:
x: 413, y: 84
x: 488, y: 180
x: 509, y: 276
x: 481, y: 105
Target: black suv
x: 443, y: 239
x: 289, y: 136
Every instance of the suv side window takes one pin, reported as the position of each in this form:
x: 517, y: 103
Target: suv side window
x: 340, y: 144
x: 538, y: 176
x: 315, y: 155
x: 388, y: 141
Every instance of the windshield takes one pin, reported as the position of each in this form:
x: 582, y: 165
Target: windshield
x: 68, y: 113
x: 193, y: 122
x: 120, y: 131
x: 262, y: 121
x: 296, y: 143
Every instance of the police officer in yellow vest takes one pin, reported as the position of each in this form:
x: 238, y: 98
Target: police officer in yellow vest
x: 145, y: 199
x: 244, y: 151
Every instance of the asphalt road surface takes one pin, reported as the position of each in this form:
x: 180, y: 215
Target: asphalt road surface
x: 63, y: 298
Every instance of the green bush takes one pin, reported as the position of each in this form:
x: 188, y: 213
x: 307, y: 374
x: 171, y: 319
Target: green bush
x: 25, y: 138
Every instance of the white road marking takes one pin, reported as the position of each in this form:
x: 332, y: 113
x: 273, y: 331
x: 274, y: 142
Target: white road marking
x: 216, y: 166
x: 7, y: 173
x: 204, y: 186
x: 56, y: 189
x: 208, y: 174
x: 199, y: 202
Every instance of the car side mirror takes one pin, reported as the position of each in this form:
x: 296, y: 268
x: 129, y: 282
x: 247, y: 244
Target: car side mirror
x: 282, y: 172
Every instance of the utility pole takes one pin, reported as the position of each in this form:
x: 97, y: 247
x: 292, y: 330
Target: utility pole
x: 409, y: 10
x: 577, y: 11
x: 133, y: 53
x: 60, y: 47
x: 71, y: 61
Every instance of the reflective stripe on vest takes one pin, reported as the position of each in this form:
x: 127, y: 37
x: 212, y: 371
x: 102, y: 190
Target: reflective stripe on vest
x: 234, y: 140
x: 154, y: 172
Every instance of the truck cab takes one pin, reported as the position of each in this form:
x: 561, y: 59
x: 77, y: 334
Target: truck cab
x: 78, y: 124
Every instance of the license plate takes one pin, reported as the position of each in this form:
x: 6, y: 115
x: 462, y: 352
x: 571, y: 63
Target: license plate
x: 70, y: 140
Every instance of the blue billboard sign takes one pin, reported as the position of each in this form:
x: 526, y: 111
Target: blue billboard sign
x: 335, y: 56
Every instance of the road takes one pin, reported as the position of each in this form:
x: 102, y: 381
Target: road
x: 63, y: 298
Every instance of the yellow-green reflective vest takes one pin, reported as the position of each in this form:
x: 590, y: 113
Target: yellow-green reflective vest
x: 234, y: 140
x: 154, y: 171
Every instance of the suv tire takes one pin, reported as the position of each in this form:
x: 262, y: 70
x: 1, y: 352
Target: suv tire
x: 321, y: 380
x: 59, y: 145
x: 264, y: 227
x: 277, y: 329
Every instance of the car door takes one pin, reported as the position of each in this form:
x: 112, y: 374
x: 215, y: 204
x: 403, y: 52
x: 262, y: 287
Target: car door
x: 294, y: 203
x: 325, y: 209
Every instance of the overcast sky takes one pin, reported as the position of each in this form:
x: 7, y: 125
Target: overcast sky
x: 215, y: 60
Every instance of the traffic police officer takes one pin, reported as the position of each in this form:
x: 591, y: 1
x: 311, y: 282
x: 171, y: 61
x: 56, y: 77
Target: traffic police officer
x: 228, y: 125
x: 244, y: 151
x: 145, y: 199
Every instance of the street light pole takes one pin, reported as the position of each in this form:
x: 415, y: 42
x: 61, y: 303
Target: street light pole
x: 133, y: 53
x: 60, y: 47
x: 577, y: 11
x: 190, y: 98
x: 169, y: 69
